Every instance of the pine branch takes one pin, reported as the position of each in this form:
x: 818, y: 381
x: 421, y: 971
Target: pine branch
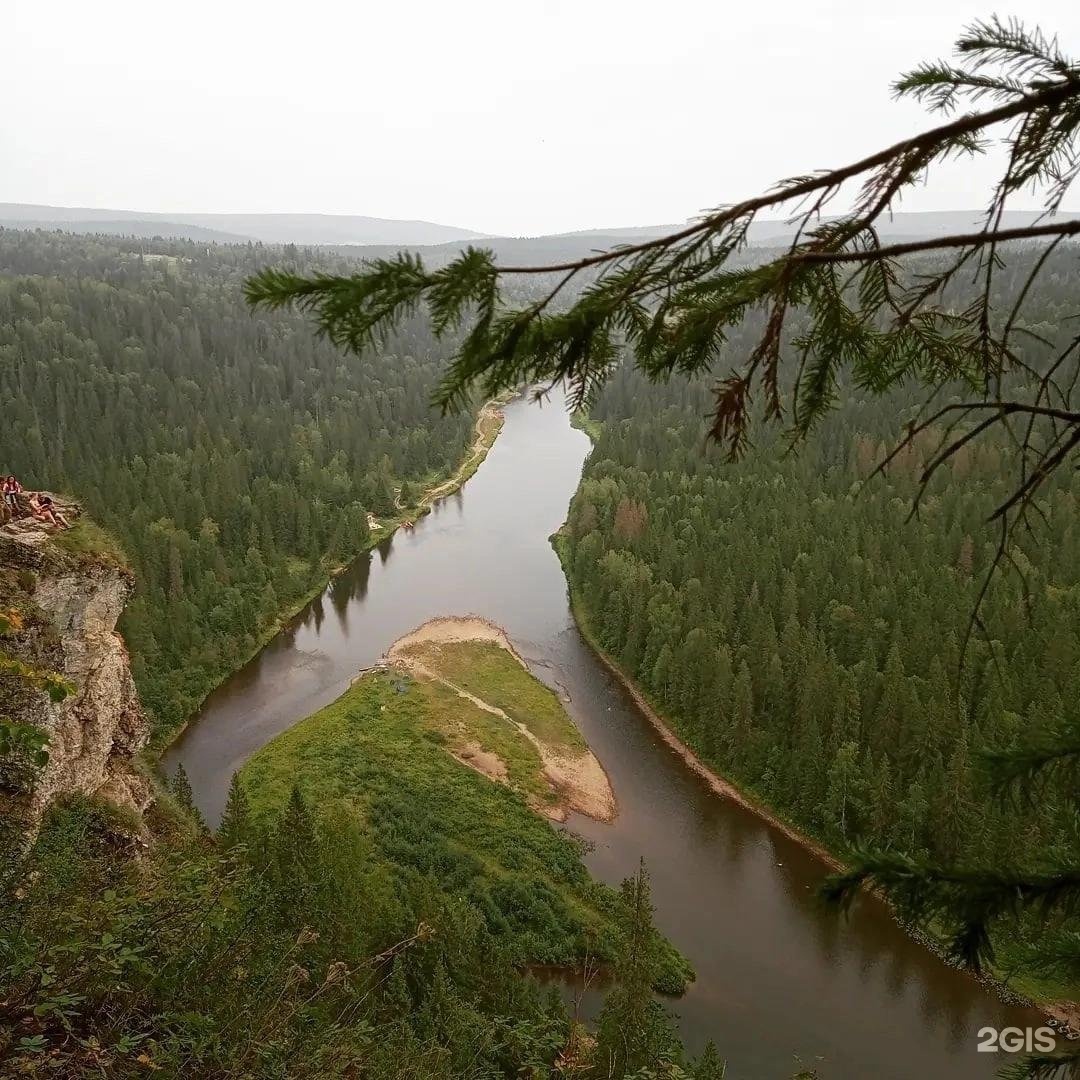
x: 671, y: 301
x: 967, y: 901
x: 1060, y: 229
x: 1053, y: 757
x: 671, y: 298
x: 944, y: 135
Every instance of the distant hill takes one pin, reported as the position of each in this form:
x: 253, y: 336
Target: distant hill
x: 367, y: 237
x: 166, y: 230
x: 565, y: 247
x: 234, y: 228
x: 899, y: 226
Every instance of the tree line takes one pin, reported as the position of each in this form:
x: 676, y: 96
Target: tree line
x: 234, y: 458
x: 806, y: 635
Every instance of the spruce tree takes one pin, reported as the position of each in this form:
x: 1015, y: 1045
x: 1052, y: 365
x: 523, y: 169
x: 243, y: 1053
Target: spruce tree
x: 634, y: 1031
x: 709, y: 1066
x: 235, y: 819
x: 297, y: 860
x: 180, y: 788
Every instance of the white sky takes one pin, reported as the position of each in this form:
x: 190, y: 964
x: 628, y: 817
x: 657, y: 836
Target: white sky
x: 517, y: 118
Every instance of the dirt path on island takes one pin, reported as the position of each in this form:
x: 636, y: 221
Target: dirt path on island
x: 578, y: 779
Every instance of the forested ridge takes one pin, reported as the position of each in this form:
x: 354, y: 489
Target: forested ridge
x: 804, y: 636
x: 234, y: 457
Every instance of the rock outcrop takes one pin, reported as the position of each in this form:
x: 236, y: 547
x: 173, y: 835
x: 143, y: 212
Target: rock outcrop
x: 70, y: 604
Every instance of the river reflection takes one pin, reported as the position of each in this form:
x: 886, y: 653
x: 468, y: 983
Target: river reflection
x: 781, y: 979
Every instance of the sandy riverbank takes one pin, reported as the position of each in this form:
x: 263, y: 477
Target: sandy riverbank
x: 1065, y: 1013
x: 576, y: 777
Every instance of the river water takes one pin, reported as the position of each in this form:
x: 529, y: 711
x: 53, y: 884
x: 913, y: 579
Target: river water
x: 782, y: 981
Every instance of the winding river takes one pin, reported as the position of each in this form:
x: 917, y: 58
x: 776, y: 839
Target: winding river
x: 782, y: 981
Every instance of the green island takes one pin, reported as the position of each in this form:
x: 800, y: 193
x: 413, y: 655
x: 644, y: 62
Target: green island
x: 370, y: 897
x: 443, y: 787
x: 501, y: 721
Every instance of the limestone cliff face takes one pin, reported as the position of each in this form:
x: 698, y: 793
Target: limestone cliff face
x: 71, y: 604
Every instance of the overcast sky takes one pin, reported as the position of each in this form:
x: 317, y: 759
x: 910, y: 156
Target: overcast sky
x: 515, y: 118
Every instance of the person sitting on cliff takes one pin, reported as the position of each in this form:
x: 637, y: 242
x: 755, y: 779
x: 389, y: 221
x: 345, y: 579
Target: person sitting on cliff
x: 44, y: 509
x: 12, y: 488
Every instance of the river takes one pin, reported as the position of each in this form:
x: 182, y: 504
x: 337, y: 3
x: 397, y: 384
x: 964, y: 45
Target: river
x: 782, y: 981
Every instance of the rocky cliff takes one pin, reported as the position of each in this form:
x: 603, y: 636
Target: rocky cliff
x: 68, y: 604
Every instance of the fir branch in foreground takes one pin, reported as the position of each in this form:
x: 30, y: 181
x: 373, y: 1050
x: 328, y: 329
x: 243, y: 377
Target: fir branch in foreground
x: 966, y: 901
x: 670, y: 300
x: 1050, y: 757
x: 835, y: 303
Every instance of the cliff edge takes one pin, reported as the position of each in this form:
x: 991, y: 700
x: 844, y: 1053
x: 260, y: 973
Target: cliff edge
x: 68, y: 597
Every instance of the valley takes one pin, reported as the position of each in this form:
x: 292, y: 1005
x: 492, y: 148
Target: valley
x: 836, y: 991
x: 454, y: 629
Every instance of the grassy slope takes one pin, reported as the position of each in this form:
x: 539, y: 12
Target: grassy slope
x: 581, y: 420
x: 379, y: 752
x: 495, y: 676
x: 455, y: 722
x: 87, y: 540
